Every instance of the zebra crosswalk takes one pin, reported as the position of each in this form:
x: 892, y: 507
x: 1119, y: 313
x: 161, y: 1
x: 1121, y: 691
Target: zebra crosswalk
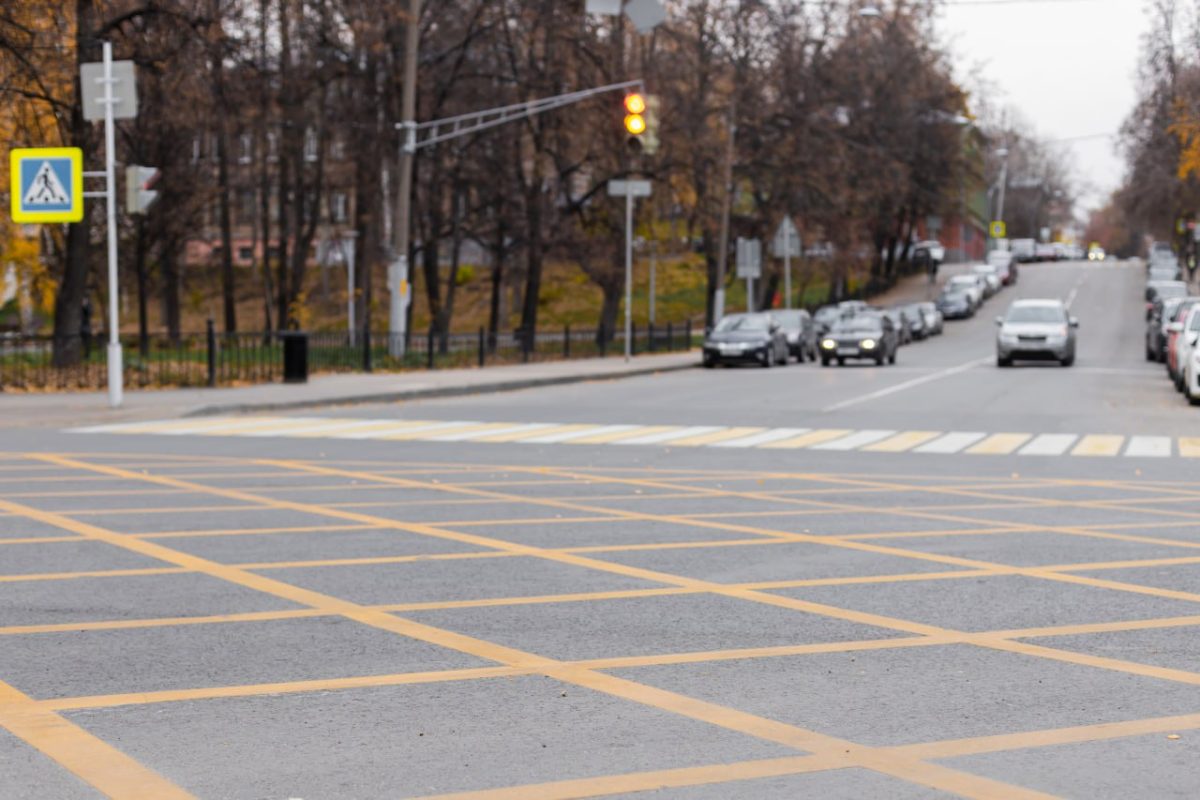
x: 874, y: 440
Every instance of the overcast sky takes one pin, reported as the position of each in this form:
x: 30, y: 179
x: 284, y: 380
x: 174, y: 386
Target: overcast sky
x: 1068, y: 66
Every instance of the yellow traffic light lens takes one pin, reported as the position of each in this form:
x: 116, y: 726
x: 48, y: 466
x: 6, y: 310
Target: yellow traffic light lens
x: 635, y: 103
x: 635, y: 124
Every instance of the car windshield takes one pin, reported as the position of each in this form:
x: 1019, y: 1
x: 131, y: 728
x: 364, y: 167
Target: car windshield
x: 742, y: 322
x: 953, y: 297
x: 983, y: 269
x: 1036, y: 314
x: 826, y: 313
x: 859, y: 325
x: 792, y: 320
x: 962, y: 280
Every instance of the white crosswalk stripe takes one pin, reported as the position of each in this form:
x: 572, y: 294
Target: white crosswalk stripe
x: 1149, y: 446
x: 874, y: 441
x: 1049, y: 444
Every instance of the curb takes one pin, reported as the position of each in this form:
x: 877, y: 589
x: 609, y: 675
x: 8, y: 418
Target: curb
x: 512, y: 385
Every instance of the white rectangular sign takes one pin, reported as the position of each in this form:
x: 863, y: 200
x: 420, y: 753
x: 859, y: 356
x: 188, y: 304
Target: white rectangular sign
x: 630, y: 188
x: 91, y: 81
x: 749, y: 258
x: 786, y: 242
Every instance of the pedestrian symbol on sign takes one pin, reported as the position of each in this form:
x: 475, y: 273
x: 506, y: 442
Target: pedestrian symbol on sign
x: 47, y: 184
x: 46, y: 190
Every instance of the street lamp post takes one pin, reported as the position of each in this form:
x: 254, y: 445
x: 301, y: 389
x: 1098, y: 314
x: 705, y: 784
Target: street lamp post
x: 398, y: 269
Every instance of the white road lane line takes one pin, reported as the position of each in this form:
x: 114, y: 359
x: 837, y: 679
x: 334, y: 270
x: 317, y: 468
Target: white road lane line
x: 668, y: 436
x: 566, y: 436
x: 951, y: 443
x: 1049, y: 444
x: 1149, y: 446
x: 900, y: 387
x: 421, y: 429
x: 854, y: 441
x: 764, y: 437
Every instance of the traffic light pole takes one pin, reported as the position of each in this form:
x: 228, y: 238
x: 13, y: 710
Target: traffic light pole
x: 419, y: 135
x: 116, y: 372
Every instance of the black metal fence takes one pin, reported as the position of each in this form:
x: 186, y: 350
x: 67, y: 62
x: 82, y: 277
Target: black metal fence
x: 218, y: 359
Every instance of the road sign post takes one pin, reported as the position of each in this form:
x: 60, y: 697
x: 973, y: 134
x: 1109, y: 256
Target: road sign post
x: 629, y: 190
x: 786, y: 244
x: 749, y: 266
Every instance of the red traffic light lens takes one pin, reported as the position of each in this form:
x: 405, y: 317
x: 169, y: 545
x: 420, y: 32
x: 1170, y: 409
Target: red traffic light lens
x: 635, y: 103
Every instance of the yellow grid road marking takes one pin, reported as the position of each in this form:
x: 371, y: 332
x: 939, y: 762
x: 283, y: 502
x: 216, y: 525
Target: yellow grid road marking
x: 1189, y: 447
x: 807, y: 439
x: 902, y: 442
x: 616, y: 436
x: 1096, y: 445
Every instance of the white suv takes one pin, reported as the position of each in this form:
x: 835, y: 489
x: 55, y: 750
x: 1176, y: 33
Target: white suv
x: 1189, y: 356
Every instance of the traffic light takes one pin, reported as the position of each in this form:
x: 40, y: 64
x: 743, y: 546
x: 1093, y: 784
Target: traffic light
x: 635, y: 108
x: 138, y: 194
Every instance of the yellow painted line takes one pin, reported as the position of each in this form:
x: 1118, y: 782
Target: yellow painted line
x: 1000, y: 444
x: 808, y: 439
x: 902, y: 442
x: 616, y: 436
x: 713, y: 438
x: 94, y: 761
x: 1095, y: 445
x: 466, y: 433
x: 1189, y: 447
x: 528, y: 433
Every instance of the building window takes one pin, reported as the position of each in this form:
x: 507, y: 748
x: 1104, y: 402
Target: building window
x: 196, y: 148
x: 338, y: 207
x: 311, y: 144
x: 245, y: 254
x: 245, y: 149
x: 246, y: 207
x: 337, y: 148
x: 272, y: 147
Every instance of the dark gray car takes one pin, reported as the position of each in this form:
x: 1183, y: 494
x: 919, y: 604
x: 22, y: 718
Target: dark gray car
x: 800, y: 332
x: 746, y: 338
x: 869, y: 335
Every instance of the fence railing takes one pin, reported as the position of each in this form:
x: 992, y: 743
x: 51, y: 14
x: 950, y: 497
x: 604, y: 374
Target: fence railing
x: 218, y: 359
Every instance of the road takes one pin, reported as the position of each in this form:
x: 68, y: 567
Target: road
x: 935, y: 579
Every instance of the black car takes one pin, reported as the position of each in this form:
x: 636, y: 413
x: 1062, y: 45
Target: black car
x: 868, y: 335
x: 746, y: 338
x: 800, y: 332
x: 1163, y: 308
x: 900, y: 320
x: 955, y: 305
x: 916, y: 321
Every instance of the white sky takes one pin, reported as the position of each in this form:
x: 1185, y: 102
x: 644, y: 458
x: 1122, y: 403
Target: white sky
x: 1068, y: 66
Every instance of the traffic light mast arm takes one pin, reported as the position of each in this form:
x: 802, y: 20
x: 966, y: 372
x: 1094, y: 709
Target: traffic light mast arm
x: 426, y: 134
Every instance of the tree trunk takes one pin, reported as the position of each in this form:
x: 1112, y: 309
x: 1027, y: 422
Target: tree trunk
x: 170, y: 273
x: 452, y: 282
x: 228, y: 298
x: 609, y: 308
x: 498, y: 253
x: 264, y: 170
x: 139, y: 262
x: 68, y: 304
x: 534, y: 257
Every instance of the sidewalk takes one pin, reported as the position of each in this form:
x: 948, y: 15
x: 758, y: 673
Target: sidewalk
x: 68, y: 409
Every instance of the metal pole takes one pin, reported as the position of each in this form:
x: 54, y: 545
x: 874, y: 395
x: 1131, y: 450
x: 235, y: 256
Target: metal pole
x: 653, y: 269
x: 726, y: 206
x: 787, y: 268
x: 116, y: 373
x: 628, y: 274
x: 398, y: 269
x: 351, y: 327
x: 750, y: 295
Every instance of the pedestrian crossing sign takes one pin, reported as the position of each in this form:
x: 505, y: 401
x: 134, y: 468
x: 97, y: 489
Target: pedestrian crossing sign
x: 47, y: 184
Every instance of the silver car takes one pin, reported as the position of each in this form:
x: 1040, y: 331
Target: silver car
x: 1036, y: 330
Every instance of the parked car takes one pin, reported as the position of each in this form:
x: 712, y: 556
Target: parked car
x: 739, y: 338
x: 991, y: 278
x: 901, y: 323
x: 1189, y: 355
x: 1044, y: 251
x: 800, y: 332
x: 1024, y: 250
x: 824, y: 317
x: 848, y: 308
x: 970, y: 283
x: 1157, y: 289
x: 931, y: 249
x: 1164, y: 271
x: 1005, y: 264
x: 955, y: 304
x: 1162, y: 311
x: 933, y: 317
x: 916, y: 321
x: 1036, y: 329
x: 1174, y: 335
x: 869, y: 335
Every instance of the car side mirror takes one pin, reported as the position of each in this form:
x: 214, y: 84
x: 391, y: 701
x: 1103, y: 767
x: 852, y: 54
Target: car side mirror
x: 1192, y: 337
x: 1175, y: 327
x: 999, y: 320
x: 1074, y: 322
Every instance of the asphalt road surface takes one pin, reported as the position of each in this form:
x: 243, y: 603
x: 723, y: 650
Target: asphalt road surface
x: 935, y: 579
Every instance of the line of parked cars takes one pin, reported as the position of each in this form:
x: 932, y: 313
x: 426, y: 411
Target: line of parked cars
x: 963, y: 295
x: 851, y: 330
x: 1172, y: 321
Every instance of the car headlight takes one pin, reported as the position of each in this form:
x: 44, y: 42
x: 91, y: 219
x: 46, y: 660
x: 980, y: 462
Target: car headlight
x: 828, y: 344
x: 867, y: 344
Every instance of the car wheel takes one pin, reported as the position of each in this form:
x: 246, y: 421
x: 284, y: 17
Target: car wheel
x: 1149, y: 354
x: 824, y: 362
x: 1193, y: 399
x: 766, y: 360
x: 892, y: 358
x: 841, y: 362
x: 1068, y: 361
x: 879, y: 360
x: 1001, y: 361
